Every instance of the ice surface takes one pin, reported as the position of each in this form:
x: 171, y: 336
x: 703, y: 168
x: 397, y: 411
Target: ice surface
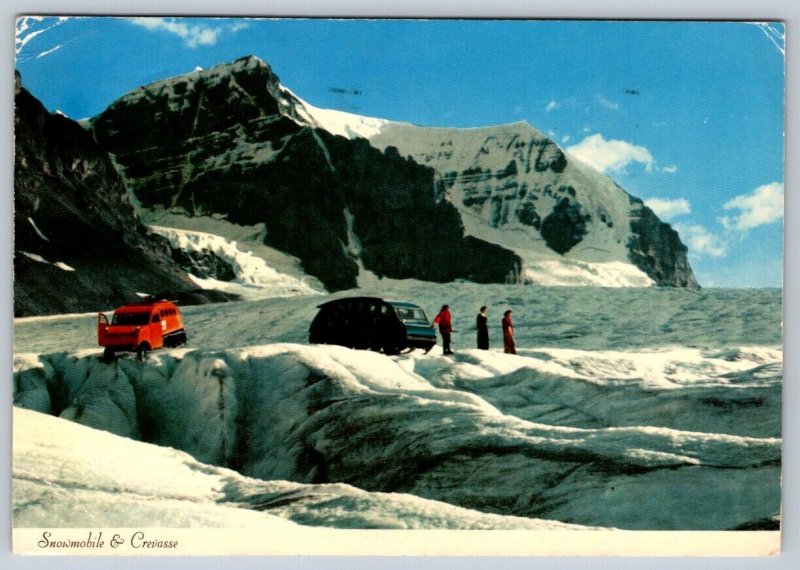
x: 66, y: 475
x: 254, y: 279
x: 625, y: 408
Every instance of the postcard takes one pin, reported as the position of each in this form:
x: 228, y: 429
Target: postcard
x: 397, y: 286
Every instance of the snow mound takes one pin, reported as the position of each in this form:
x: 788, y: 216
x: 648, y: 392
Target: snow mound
x: 134, y: 484
x: 327, y: 414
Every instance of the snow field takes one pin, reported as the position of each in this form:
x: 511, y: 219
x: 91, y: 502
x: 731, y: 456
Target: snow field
x: 319, y: 414
x: 625, y: 408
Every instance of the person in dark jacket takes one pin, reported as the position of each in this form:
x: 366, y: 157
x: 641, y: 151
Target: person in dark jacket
x: 483, y: 329
x: 508, y: 334
x: 445, y: 322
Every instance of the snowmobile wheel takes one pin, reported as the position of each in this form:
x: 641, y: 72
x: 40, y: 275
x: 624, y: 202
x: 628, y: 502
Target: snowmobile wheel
x: 390, y: 349
x: 141, y: 351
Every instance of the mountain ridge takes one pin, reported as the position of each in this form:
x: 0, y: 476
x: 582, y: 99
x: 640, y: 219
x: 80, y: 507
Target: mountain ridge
x: 79, y: 244
x: 352, y: 199
x: 530, y: 197
x: 546, y: 197
x: 229, y: 141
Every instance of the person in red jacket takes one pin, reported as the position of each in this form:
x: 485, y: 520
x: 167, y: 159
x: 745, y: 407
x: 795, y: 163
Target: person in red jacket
x: 445, y: 322
x: 508, y: 334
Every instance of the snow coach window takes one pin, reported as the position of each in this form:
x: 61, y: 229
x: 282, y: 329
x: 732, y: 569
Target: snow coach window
x: 410, y: 314
x: 131, y: 319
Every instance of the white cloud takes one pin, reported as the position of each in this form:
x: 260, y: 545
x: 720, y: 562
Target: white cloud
x: 565, y: 139
x: 193, y: 35
x: 552, y: 106
x: 671, y: 169
x: 667, y: 209
x: 606, y: 103
x: 700, y: 241
x: 764, y: 206
x: 610, y: 156
x: 239, y: 26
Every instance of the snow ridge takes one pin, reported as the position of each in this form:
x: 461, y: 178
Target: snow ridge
x: 322, y: 414
x: 164, y: 487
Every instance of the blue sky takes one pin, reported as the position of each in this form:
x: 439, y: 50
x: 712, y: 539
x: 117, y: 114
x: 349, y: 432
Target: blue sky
x: 686, y: 115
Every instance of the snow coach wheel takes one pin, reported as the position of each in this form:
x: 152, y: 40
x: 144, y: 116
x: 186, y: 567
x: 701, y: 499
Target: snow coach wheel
x: 108, y: 354
x: 142, y: 350
x: 390, y: 349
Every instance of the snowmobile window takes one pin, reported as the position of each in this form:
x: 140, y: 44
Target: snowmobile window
x: 130, y: 319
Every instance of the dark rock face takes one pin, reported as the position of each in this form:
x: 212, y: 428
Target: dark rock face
x: 657, y: 250
x: 565, y: 226
x: 224, y: 141
x: 203, y: 264
x: 71, y: 209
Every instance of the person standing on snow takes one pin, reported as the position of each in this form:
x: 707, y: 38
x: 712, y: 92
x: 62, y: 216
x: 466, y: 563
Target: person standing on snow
x: 508, y: 334
x: 445, y: 322
x: 483, y: 329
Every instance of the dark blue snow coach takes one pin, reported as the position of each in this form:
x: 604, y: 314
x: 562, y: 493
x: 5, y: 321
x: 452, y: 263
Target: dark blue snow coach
x: 371, y: 323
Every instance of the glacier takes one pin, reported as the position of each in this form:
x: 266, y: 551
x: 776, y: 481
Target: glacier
x: 611, y: 416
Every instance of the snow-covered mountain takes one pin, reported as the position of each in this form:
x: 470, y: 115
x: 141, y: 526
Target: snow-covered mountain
x: 489, y: 205
x: 570, y: 225
x: 515, y: 187
x: 228, y: 142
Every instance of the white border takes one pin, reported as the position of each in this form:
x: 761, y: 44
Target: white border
x: 595, y: 9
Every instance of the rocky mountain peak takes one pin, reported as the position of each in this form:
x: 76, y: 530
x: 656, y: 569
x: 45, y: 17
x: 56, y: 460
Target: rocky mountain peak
x: 516, y: 187
x: 78, y: 242
x: 232, y: 141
